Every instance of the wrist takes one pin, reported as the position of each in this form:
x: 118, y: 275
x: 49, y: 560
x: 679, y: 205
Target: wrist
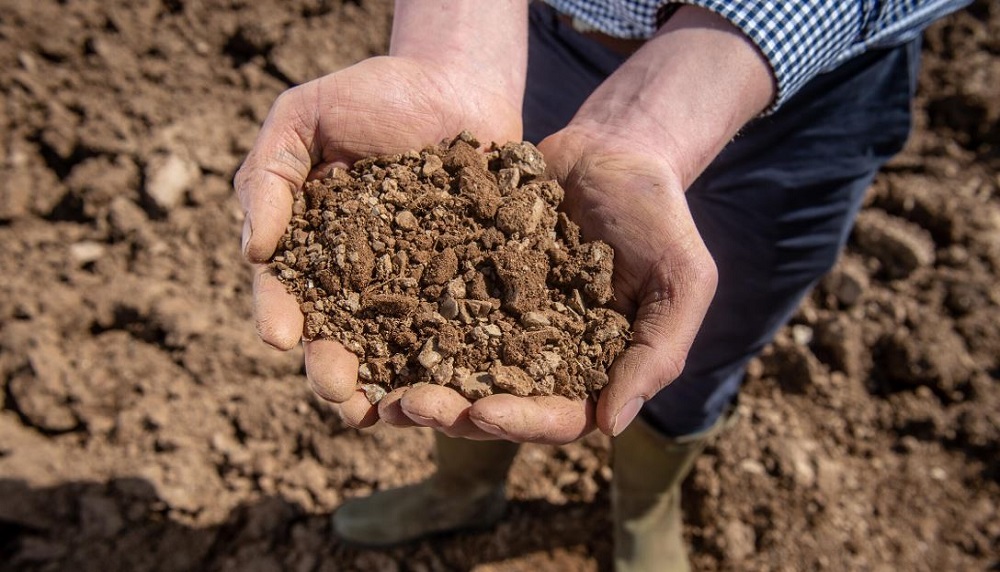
x: 586, y: 150
x: 478, y: 47
x: 684, y: 94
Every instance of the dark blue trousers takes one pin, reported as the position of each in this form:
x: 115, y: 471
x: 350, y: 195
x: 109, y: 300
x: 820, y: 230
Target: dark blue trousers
x: 775, y: 207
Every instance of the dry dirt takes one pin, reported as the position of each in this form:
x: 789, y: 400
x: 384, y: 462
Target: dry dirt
x: 453, y: 267
x: 143, y: 427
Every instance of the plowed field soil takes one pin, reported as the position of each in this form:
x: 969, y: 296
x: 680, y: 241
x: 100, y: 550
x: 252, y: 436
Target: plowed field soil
x: 144, y: 427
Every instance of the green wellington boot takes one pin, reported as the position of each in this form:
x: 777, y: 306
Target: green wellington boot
x: 467, y: 492
x: 649, y: 468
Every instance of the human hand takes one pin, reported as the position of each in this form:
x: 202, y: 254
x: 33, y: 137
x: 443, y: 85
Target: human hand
x: 664, y: 280
x: 380, y: 106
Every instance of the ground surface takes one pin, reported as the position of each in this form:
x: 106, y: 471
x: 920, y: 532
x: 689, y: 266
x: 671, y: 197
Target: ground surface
x: 143, y: 427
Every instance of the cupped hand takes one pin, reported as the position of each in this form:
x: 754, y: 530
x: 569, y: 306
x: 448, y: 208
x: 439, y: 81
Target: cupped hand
x: 382, y: 105
x: 664, y: 276
x: 664, y: 280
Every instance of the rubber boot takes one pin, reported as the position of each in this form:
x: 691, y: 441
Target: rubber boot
x: 649, y: 468
x: 467, y: 492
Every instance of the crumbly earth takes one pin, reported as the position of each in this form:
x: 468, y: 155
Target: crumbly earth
x: 453, y: 267
x: 144, y: 427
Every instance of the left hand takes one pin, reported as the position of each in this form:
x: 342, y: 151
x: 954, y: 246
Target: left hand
x: 664, y: 280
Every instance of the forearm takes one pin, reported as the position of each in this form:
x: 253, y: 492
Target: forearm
x: 484, y: 42
x: 684, y: 94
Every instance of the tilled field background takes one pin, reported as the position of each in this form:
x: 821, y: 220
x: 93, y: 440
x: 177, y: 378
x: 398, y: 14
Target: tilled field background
x: 143, y: 426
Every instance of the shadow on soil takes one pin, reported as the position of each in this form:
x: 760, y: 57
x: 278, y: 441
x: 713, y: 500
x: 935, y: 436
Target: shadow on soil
x: 124, y: 525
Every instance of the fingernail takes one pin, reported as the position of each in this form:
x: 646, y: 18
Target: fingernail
x: 247, y: 233
x: 625, y: 415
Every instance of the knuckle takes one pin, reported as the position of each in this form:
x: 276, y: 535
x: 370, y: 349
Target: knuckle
x: 706, y: 272
x: 241, y: 175
x: 673, y: 366
x: 265, y: 330
x: 285, y: 101
x: 270, y: 333
x: 320, y: 388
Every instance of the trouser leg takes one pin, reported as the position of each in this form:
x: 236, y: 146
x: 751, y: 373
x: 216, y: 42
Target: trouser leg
x: 775, y: 210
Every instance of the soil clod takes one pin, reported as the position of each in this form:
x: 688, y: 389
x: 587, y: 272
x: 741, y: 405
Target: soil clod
x: 465, y: 274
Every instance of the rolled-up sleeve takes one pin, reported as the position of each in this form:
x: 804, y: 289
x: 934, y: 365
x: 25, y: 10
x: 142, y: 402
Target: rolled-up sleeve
x: 801, y: 38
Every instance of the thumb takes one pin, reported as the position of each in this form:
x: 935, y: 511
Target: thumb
x: 662, y: 334
x: 275, y: 168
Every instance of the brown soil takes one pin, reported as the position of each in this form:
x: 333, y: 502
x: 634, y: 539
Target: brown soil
x: 143, y: 426
x: 453, y: 267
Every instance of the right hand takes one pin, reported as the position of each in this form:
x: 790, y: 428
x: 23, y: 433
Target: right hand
x: 382, y: 105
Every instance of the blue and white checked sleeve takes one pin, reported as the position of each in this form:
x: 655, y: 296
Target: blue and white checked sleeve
x: 799, y: 38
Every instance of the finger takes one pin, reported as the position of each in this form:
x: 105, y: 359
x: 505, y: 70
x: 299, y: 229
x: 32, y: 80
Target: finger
x: 441, y: 408
x: 358, y: 412
x: 390, y: 409
x: 464, y: 428
x: 331, y: 369
x: 662, y: 333
x: 276, y: 311
x: 275, y: 168
x: 551, y: 420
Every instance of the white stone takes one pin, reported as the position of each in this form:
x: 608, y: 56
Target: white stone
x: 86, y: 251
x: 168, y: 178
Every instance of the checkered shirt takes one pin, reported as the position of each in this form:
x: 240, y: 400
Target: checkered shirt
x: 799, y: 38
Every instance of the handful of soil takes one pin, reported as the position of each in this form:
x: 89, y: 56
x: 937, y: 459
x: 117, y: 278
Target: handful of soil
x: 453, y: 267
